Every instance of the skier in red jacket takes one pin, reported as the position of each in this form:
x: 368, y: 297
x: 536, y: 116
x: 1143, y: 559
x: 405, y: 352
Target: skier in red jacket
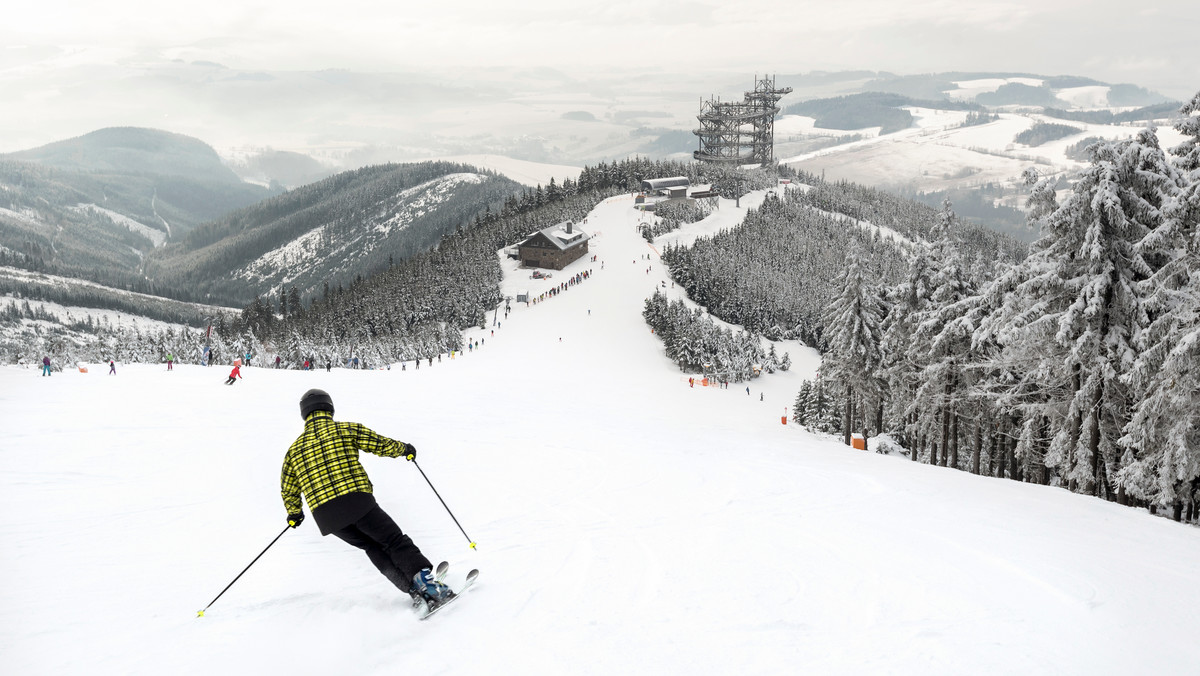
x: 234, y: 374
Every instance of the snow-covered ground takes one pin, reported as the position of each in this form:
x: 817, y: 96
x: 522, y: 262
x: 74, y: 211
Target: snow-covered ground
x: 69, y: 314
x: 969, y: 89
x: 157, y: 236
x: 1088, y: 96
x: 78, y: 313
x: 938, y: 153
x: 788, y: 127
x: 527, y: 173
x: 626, y: 523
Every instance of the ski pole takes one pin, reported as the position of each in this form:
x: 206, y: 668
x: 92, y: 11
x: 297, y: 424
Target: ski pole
x: 413, y: 460
x: 264, y: 551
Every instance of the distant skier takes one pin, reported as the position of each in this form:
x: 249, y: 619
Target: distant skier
x: 170, y: 361
x: 45, y: 366
x: 234, y: 374
x: 112, y: 367
x: 323, y: 466
x: 277, y: 360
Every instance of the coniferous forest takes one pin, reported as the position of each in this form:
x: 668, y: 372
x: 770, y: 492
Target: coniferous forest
x: 1074, y: 366
x: 1071, y: 365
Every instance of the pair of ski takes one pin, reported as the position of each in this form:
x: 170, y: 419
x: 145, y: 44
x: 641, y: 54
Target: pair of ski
x: 425, y: 609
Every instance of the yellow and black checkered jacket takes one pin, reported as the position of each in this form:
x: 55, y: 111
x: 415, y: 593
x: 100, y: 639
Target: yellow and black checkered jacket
x: 323, y: 462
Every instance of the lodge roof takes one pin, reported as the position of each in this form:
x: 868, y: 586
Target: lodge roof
x: 562, y: 235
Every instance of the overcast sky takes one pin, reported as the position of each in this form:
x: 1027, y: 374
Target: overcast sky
x: 49, y: 47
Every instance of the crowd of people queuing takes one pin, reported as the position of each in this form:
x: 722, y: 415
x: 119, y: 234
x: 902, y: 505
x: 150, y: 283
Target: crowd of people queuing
x: 563, y: 286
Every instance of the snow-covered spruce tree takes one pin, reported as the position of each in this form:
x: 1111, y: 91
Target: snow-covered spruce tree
x: 1076, y: 311
x: 1016, y: 357
x: 853, y: 333
x: 827, y: 417
x: 802, y: 407
x: 906, y: 301
x: 1162, y: 440
x: 941, y: 342
x: 813, y: 408
x: 697, y: 345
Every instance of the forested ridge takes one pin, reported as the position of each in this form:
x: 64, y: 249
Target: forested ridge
x: 353, y: 211
x: 44, y: 225
x: 773, y: 273
x: 93, y: 207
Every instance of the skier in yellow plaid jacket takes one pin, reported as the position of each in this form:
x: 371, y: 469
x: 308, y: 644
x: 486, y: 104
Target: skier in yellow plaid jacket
x: 322, y: 465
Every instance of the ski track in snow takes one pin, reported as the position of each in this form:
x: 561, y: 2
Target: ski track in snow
x: 626, y: 523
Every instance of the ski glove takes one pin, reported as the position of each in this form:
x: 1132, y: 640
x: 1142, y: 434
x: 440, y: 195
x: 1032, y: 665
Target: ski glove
x: 410, y: 452
x: 294, y: 520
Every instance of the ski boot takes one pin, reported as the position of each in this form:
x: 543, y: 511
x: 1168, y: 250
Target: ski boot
x: 433, y: 592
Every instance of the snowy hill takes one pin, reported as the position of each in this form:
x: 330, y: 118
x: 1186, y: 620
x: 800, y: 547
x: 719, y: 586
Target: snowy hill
x: 97, y: 204
x: 626, y: 522
x: 317, y: 254
x: 942, y: 151
x: 352, y: 224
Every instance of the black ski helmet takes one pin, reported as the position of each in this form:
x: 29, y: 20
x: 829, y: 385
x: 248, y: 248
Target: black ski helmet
x: 315, y: 400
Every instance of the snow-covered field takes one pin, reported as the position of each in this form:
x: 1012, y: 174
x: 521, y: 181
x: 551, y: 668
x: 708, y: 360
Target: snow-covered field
x: 527, y: 173
x: 68, y: 314
x: 626, y: 523
x: 969, y: 89
x: 938, y: 153
x: 76, y: 313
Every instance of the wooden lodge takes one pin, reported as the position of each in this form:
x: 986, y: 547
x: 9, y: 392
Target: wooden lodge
x: 554, y: 247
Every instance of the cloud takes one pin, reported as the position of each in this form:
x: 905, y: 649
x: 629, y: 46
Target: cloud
x: 75, y: 66
x: 367, y: 34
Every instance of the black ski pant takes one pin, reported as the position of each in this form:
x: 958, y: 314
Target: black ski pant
x: 392, y: 552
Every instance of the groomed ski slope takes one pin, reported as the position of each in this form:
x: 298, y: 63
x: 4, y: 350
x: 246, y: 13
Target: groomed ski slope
x: 626, y: 523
